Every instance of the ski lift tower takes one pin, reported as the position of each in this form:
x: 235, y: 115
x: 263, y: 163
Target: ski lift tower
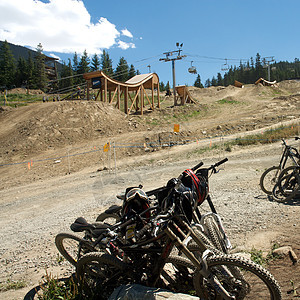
x: 167, y: 58
x: 267, y: 61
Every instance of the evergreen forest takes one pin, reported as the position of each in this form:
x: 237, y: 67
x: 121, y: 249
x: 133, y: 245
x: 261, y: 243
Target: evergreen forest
x: 27, y: 69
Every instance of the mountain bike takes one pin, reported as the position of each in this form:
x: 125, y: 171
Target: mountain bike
x: 209, y: 225
x: 288, y: 184
x: 270, y: 176
x: 141, y: 258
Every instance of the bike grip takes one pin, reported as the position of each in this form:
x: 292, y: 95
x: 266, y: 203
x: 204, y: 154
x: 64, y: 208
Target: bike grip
x: 221, y: 162
x: 197, y: 166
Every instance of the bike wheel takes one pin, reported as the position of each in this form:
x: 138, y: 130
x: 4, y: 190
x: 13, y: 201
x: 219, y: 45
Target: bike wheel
x: 215, y: 234
x: 177, y: 274
x: 268, y: 179
x: 251, y: 282
x: 99, y: 274
x: 108, y: 218
x: 71, y: 247
x: 288, y: 184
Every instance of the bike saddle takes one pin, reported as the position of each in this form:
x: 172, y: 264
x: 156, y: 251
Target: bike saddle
x: 95, y: 229
x: 81, y: 224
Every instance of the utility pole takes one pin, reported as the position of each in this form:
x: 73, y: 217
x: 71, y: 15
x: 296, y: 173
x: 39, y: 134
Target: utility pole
x: 167, y: 58
x: 267, y: 61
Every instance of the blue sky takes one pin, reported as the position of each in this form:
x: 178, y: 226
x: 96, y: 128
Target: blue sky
x: 141, y: 31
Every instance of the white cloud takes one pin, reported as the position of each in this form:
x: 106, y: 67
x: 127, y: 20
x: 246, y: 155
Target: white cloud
x: 59, y: 25
x: 124, y: 45
x: 127, y: 33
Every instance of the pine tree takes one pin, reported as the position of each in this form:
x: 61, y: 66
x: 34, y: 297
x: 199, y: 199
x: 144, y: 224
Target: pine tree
x: 66, y: 76
x: 95, y: 63
x: 106, y: 64
x: 21, y: 74
x: 214, y: 81
x: 162, y: 86
x: 220, y: 80
x: 131, y: 72
x: 40, y: 78
x: 7, y: 66
x: 29, y: 71
x: 75, y: 63
x: 84, y: 63
x: 207, y: 83
x: 198, y: 82
x: 122, y: 70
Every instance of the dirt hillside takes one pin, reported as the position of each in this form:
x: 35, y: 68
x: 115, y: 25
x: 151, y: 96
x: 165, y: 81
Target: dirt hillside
x: 47, y: 132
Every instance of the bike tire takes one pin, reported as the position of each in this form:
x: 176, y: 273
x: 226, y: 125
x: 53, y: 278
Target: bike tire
x: 177, y: 274
x: 268, y: 179
x: 215, y: 235
x: 255, y: 283
x: 288, y: 185
x: 71, y: 247
x: 99, y: 274
x: 108, y: 218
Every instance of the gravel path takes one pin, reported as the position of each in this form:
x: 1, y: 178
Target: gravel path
x: 31, y: 215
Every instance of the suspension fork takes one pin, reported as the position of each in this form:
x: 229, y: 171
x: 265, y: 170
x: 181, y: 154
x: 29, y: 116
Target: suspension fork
x: 173, y: 232
x: 160, y: 263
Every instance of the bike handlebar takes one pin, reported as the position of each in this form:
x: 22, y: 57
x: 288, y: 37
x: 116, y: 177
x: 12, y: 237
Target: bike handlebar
x: 221, y: 162
x: 197, y: 166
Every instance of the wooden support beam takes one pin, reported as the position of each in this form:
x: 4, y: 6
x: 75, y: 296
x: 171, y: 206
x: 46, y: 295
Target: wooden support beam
x: 109, y: 96
x: 88, y: 82
x: 134, y: 100
x: 152, y: 93
x: 147, y: 96
x: 112, y: 98
x: 158, y: 100
x: 142, y: 100
x: 98, y: 95
x: 105, y: 90
x: 119, y: 97
x: 126, y: 101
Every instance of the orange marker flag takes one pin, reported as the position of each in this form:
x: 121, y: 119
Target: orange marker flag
x: 29, y: 165
x: 106, y: 147
x: 176, y: 127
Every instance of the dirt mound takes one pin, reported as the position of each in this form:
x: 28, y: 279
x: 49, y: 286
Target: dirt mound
x: 25, y: 91
x: 39, y: 126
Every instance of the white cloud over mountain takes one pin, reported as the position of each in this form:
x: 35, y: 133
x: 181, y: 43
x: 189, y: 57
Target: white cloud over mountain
x: 62, y: 26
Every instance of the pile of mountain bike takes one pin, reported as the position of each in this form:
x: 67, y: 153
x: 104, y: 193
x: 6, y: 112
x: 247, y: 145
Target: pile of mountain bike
x: 283, y: 181
x: 160, y: 238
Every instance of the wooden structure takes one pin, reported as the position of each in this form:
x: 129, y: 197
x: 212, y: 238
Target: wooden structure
x: 132, y: 92
x: 238, y: 84
x: 184, y: 94
x: 265, y: 82
x: 51, y: 67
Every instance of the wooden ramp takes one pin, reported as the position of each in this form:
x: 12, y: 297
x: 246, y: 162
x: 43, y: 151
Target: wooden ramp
x: 128, y: 96
x: 184, y: 95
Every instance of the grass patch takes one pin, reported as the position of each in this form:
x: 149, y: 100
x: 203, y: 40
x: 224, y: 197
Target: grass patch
x: 52, y: 289
x: 270, y: 136
x: 12, y: 285
x: 228, y: 101
x: 257, y: 256
x: 15, y: 100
